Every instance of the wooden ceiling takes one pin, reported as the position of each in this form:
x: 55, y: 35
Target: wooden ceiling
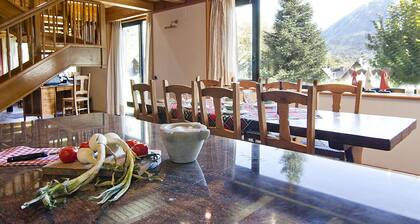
x: 128, y: 9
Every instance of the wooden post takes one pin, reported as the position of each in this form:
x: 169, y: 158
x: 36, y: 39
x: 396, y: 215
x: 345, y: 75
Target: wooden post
x: 102, y: 32
x: 43, y: 34
x: 19, y: 39
x: 65, y: 26
x: 9, y: 69
x: 30, y: 37
x: 38, y: 34
x: 55, y: 27
x: 83, y: 23
x: 73, y: 22
x: 1, y: 59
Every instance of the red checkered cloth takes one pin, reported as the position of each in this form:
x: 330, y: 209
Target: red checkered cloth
x: 23, y: 150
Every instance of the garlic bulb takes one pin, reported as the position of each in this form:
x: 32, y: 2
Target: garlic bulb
x: 96, y: 140
x: 86, y: 156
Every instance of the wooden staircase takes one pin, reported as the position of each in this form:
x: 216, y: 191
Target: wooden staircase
x: 47, y: 39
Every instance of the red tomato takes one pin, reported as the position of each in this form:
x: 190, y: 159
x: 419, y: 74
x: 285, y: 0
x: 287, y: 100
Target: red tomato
x: 84, y: 145
x: 131, y: 142
x: 140, y: 149
x: 68, y: 154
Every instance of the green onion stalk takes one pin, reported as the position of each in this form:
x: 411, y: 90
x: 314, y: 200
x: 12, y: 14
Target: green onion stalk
x: 56, y: 192
x: 124, y: 182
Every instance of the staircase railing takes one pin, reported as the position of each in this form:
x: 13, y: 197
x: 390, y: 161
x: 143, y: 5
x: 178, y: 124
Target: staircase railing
x: 39, y: 32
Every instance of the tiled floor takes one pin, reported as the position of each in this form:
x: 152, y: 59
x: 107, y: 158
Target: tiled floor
x: 13, y: 117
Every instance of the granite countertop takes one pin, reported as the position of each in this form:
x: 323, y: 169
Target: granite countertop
x: 232, y: 181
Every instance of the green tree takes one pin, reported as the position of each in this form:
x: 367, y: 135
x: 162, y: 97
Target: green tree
x: 244, y: 52
x: 295, y: 48
x: 396, y: 42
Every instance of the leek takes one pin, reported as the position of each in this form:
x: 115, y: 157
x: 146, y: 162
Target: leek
x: 56, y: 192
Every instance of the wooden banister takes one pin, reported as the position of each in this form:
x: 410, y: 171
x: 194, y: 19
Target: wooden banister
x: 28, y: 14
x: 50, y: 26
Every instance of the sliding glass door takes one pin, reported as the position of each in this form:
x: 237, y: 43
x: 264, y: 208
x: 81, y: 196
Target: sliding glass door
x: 133, y: 40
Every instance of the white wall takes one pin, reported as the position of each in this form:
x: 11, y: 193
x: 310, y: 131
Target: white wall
x: 98, y: 89
x: 180, y: 53
x: 406, y: 155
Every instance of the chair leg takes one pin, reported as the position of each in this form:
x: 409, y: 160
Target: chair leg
x: 64, y: 108
x: 75, y: 108
x: 88, y: 106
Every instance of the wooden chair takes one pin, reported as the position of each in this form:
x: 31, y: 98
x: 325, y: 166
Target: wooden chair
x: 80, y: 100
x: 279, y: 85
x: 217, y: 93
x: 243, y: 85
x: 283, y: 85
x: 284, y: 98
x: 140, y: 111
x: 209, y: 83
x: 272, y: 86
x: 337, y: 91
x: 291, y: 86
x: 178, y: 91
x: 332, y: 149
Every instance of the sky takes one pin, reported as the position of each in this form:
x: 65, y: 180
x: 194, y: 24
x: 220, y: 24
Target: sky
x: 326, y: 12
x: 324, y: 16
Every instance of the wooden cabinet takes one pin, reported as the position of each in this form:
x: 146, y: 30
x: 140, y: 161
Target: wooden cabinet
x: 44, y: 102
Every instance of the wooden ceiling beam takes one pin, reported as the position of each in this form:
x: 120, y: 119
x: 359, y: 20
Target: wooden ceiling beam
x: 130, y: 4
x: 118, y: 13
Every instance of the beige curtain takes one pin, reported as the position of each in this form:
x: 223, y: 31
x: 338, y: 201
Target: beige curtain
x: 115, y: 74
x: 149, y: 47
x: 222, y: 37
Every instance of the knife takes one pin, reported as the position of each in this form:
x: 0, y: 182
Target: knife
x: 28, y: 157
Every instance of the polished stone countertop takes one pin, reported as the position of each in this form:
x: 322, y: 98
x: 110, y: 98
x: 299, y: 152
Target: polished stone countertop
x: 231, y: 182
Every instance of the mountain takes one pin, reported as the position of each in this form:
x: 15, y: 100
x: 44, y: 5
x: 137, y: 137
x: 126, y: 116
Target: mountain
x: 347, y: 38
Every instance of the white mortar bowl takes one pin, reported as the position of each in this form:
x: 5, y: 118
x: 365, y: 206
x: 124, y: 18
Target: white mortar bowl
x: 183, y: 141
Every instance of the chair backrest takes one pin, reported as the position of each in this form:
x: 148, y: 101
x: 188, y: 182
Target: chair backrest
x: 209, y: 82
x: 272, y: 85
x: 337, y: 91
x: 217, y: 93
x: 178, y: 91
x: 247, y: 85
x: 81, y: 86
x: 284, y: 98
x: 140, y: 111
x: 291, y: 86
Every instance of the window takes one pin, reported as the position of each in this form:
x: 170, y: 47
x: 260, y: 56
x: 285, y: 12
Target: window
x: 247, y: 20
x: 134, y: 49
x: 134, y: 42
x: 327, y: 40
x: 244, y: 32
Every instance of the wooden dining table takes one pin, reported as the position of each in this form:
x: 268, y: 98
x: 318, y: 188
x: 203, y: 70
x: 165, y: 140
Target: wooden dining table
x: 340, y: 129
x: 232, y: 181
